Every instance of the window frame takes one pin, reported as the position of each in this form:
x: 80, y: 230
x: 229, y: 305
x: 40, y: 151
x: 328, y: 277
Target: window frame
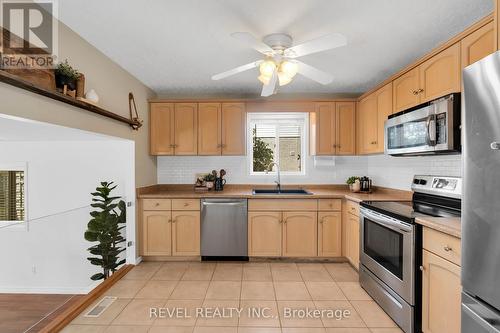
x: 17, y: 225
x: 300, y: 118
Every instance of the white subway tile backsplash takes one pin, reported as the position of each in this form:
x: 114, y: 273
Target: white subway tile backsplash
x: 394, y: 172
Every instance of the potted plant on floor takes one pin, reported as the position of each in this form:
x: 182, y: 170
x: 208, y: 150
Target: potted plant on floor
x: 105, y: 229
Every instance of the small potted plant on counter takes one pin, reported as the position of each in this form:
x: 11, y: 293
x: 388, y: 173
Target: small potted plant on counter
x: 209, y: 180
x: 66, y: 75
x: 354, y: 184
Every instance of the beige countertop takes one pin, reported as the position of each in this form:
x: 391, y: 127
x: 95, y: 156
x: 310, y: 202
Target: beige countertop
x: 245, y: 191
x: 448, y: 225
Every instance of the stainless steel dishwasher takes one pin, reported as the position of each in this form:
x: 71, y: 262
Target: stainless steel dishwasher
x: 224, y: 229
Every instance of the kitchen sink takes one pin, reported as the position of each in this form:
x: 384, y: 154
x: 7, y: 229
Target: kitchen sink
x: 282, y: 191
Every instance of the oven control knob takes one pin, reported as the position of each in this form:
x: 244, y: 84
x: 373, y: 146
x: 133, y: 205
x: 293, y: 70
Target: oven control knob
x: 416, y: 181
x: 423, y: 182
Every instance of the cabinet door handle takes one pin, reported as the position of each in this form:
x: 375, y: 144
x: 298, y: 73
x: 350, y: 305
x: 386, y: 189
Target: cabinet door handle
x: 169, y: 220
x: 414, y: 92
x: 422, y: 268
x: 419, y: 91
x: 186, y: 204
x: 495, y: 145
x: 322, y: 219
x: 447, y: 248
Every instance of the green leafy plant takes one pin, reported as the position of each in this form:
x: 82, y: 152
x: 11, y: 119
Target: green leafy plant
x: 105, y: 228
x: 64, y: 69
x: 209, y: 177
x: 351, y: 180
x: 263, y: 155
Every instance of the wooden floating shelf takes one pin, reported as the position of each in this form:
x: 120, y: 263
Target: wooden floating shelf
x: 26, y: 85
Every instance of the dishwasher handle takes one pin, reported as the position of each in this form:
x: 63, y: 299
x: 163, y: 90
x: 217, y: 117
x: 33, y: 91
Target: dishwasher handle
x: 227, y: 203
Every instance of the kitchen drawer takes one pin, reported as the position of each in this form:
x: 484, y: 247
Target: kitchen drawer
x: 352, y: 207
x: 443, y: 245
x: 283, y: 204
x: 156, y: 204
x: 185, y: 204
x: 330, y: 204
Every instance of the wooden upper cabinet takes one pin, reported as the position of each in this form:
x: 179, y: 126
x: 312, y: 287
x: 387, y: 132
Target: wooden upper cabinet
x: 264, y: 234
x: 405, y: 90
x: 186, y: 129
x: 367, y: 125
x: 161, y: 128
x: 300, y: 237
x: 345, y: 128
x: 441, y: 292
x: 209, y: 129
x: 185, y: 233
x: 384, y: 110
x: 156, y: 233
x: 329, y: 234
x: 440, y: 75
x: 233, y: 129
x: 323, y: 127
x: 478, y: 45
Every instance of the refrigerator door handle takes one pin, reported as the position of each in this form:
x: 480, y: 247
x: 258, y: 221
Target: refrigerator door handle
x: 495, y: 145
x: 485, y: 323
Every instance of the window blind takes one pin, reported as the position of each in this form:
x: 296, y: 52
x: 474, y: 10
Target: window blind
x: 12, y: 196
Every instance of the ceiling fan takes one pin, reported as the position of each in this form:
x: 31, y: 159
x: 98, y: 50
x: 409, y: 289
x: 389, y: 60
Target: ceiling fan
x: 280, y: 64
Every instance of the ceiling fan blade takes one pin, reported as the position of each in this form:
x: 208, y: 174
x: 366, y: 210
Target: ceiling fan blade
x: 316, y: 45
x: 270, y: 88
x: 236, y: 70
x: 314, y: 73
x: 250, y: 40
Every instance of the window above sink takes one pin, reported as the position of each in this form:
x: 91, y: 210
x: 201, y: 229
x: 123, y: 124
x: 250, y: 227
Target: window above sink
x: 279, y: 138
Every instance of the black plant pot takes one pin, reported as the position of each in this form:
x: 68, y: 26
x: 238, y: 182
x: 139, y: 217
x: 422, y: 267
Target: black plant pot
x: 62, y: 80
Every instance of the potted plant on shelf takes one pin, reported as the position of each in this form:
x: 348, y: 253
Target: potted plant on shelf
x: 105, y: 228
x: 354, y: 184
x: 66, y: 75
x: 209, y: 180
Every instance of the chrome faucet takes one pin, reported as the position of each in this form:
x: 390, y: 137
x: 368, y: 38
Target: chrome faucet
x: 270, y: 168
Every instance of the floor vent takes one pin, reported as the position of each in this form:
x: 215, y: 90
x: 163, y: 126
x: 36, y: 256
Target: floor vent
x: 100, y: 307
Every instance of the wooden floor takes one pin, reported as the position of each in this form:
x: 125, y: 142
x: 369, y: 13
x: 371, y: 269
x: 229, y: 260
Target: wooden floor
x: 31, y: 312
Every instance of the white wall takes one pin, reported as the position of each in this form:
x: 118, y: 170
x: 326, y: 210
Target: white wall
x: 50, y: 255
x: 387, y: 171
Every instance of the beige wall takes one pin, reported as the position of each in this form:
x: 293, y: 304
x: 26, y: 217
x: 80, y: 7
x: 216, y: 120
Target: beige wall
x: 111, y: 82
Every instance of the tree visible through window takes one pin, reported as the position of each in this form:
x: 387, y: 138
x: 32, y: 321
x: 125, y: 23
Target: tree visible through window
x: 279, y: 138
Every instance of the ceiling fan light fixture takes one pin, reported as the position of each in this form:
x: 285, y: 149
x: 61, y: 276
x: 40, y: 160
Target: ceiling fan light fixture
x: 267, y: 68
x: 284, y: 78
x: 264, y: 79
x: 289, y: 68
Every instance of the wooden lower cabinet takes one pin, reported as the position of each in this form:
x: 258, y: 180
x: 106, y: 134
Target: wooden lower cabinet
x: 329, y: 234
x: 441, y: 292
x: 185, y: 233
x: 264, y: 234
x: 300, y: 234
x: 170, y: 227
x: 352, y: 246
x: 156, y: 233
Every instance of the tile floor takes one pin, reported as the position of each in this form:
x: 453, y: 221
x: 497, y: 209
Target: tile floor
x: 276, y: 289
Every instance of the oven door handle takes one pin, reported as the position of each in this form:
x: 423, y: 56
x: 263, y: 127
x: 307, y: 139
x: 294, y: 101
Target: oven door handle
x: 388, y: 222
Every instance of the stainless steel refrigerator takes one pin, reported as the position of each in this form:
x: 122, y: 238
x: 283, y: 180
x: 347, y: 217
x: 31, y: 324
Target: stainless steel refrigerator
x: 481, y: 197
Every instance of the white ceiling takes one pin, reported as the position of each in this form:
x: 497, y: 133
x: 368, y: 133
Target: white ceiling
x: 174, y: 46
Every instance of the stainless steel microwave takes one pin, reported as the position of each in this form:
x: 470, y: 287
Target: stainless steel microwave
x: 430, y: 128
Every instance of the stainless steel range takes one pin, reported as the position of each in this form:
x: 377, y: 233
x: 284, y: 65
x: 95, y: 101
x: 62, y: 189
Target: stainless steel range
x: 391, y: 246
